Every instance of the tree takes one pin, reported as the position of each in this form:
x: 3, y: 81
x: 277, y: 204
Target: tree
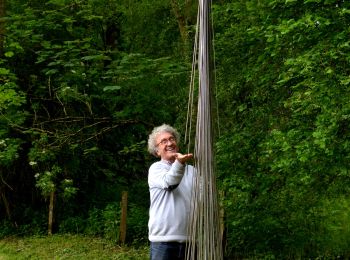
x: 2, y: 24
x: 285, y: 84
x: 89, y: 97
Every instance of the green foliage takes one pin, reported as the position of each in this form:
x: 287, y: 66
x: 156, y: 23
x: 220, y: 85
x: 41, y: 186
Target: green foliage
x: 137, y: 232
x: 150, y: 27
x: 81, y: 91
x: 9, y: 150
x: 46, y: 180
x: 104, y: 222
x: 11, y: 101
x: 283, y: 157
x: 72, y: 225
x: 82, y: 83
x: 33, y: 222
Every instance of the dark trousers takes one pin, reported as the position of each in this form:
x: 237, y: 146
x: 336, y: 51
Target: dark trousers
x: 168, y: 251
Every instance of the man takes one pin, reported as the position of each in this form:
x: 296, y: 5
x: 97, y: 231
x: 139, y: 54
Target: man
x: 170, y: 183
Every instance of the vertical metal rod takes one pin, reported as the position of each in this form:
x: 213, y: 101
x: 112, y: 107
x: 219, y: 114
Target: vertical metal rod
x: 204, y: 230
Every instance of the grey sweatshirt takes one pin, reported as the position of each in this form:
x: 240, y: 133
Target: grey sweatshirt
x: 170, y: 188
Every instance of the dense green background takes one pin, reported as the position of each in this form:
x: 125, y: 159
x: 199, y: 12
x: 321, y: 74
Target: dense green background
x: 82, y: 83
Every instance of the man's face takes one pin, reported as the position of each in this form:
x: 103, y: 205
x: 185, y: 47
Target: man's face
x: 167, y: 147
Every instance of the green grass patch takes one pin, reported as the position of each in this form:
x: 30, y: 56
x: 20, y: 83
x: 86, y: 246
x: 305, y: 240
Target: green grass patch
x: 67, y: 247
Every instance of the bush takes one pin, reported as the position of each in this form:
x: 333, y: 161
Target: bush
x: 104, y: 222
x: 72, y: 225
x: 137, y: 231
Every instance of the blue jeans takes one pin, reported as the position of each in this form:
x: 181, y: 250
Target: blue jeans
x: 168, y: 251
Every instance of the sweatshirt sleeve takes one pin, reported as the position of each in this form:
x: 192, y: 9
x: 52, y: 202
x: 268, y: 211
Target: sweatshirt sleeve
x: 165, y: 176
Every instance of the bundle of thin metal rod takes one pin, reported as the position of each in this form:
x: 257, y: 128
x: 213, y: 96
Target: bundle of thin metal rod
x: 204, y: 229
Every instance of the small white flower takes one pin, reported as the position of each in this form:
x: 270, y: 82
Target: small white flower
x: 32, y: 163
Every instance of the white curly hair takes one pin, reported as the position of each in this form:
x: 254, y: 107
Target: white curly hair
x: 152, y: 145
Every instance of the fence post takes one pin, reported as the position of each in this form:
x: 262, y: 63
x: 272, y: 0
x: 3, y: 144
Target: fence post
x: 124, y: 208
x: 51, y: 207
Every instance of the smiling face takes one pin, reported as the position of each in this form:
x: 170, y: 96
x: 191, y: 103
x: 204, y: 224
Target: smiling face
x: 167, y: 147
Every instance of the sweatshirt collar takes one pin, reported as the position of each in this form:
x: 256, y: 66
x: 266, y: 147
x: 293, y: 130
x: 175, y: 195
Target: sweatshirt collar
x: 166, y: 162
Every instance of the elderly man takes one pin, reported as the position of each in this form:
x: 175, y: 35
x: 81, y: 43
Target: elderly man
x: 170, y: 183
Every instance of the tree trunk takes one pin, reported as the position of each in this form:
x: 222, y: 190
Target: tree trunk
x: 6, y: 205
x: 182, y: 23
x: 51, y: 207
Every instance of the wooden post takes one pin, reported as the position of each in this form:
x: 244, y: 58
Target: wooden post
x: 51, y: 206
x: 124, y: 208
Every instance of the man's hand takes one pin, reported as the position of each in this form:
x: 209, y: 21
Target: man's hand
x: 183, y: 158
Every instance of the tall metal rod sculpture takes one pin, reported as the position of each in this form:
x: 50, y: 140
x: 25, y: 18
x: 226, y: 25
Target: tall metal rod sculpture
x: 204, y: 230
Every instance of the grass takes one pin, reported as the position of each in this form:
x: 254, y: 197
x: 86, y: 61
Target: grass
x: 67, y: 247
